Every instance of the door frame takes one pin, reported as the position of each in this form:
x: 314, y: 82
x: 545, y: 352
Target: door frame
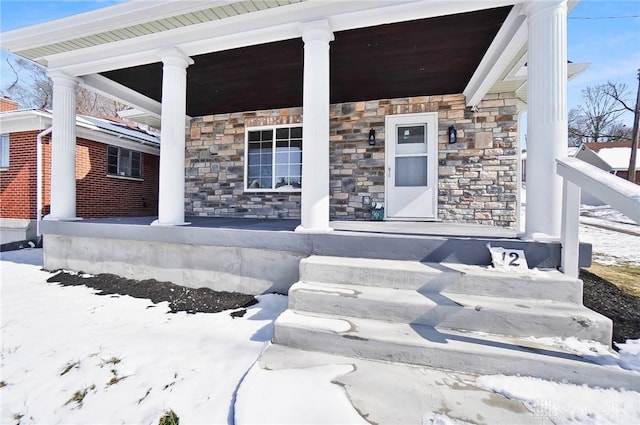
x: 432, y: 153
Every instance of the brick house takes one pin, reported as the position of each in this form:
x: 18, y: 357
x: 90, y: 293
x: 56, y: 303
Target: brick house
x: 116, y: 170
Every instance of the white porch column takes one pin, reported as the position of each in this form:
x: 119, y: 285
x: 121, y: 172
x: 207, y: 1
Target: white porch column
x: 172, y: 137
x: 547, y: 115
x: 63, y: 147
x: 315, y: 132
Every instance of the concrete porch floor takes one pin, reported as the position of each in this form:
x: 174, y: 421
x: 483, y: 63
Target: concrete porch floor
x: 289, y: 225
x: 431, y: 242
x: 255, y: 256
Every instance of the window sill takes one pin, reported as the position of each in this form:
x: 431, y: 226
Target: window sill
x: 135, y: 179
x: 279, y: 190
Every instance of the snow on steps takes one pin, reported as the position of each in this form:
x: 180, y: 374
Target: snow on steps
x: 452, y: 278
x: 524, y: 317
x: 406, y: 311
x: 453, y: 350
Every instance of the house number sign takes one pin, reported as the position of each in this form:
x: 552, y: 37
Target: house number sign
x: 507, y: 259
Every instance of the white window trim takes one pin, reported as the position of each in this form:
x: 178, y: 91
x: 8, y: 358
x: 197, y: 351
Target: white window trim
x: 246, y: 158
x: 135, y: 179
x: 121, y: 176
x: 6, y: 136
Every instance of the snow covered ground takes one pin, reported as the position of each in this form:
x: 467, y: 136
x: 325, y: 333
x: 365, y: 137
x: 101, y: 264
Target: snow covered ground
x: 70, y: 356
x: 615, y: 238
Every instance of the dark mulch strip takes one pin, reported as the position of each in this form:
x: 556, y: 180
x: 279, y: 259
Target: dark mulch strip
x: 607, y: 299
x: 599, y: 295
x: 180, y: 298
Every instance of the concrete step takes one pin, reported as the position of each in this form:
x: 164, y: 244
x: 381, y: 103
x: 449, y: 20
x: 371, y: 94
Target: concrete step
x: 452, y: 278
x: 446, y: 349
x: 505, y: 316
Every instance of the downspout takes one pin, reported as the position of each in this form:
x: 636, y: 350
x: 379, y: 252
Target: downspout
x: 39, y: 180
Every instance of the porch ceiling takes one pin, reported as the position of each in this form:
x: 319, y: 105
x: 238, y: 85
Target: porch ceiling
x: 421, y: 57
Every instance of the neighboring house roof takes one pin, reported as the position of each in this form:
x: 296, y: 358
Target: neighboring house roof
x: 609, y: 156
x: 618, y: 157
x: 596, y: 146
x: 98, y: 129
x: 587, y: 155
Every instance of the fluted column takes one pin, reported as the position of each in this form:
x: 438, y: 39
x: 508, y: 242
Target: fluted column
x: 547, y: 115
x: 63, y: 147
x: 315, y: 132
x: 172, y: 137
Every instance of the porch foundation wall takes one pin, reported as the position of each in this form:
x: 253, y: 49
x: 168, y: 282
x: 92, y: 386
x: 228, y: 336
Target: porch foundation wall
x: 477, y: 176
x: 221, y: 268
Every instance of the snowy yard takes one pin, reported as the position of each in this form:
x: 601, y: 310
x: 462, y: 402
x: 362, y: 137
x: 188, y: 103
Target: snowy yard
x: 70, y: 356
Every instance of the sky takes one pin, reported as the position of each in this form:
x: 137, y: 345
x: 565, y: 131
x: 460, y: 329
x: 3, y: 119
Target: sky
x: 605, y: 34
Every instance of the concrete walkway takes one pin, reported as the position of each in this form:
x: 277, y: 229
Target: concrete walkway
x: 393, y: 393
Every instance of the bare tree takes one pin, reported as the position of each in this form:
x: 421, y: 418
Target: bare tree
x: 32, y: 88
x: 619, y: 97
x: 91, y: 103
x: 596, y: 120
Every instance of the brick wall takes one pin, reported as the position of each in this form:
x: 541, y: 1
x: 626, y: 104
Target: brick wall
x: 477, y: 178
x: 102, y: 196
x: 18, y: 182
x: 98, y: 195
x: 7, y: 105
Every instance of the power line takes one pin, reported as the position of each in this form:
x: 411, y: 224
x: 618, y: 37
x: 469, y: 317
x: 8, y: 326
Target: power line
x: 604, y: 17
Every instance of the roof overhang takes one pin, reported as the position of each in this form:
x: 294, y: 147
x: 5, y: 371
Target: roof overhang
x: 37, y: 120
x: 130, y: 34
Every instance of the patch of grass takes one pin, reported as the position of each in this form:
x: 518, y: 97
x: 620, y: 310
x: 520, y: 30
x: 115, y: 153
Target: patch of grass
x: 17, y: 417
x: 112, y: 361
x: 170, y: 384
x: 169, y: 418
x: 78, y: 396
x: 69, y: 366
x: 144, y: 396
x: 115, y: 378
x: 624, y: 275
x: 3, y: 384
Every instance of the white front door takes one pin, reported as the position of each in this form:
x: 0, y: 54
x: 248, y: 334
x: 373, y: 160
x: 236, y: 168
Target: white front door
x: 411, y: 189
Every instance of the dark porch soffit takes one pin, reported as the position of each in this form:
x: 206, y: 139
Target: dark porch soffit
x: 422, y: 57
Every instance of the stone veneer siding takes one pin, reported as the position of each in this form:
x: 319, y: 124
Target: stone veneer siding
x: 477, y: 176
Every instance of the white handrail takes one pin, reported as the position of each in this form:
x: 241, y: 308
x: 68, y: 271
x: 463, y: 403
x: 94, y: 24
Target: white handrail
x: 621, y: 194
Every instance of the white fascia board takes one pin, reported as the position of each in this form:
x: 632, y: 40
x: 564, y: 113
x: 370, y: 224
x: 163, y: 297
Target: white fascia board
x: 511, y: 37
x: 27, y: 120
x: 248, y: 29
x: 520, y: 71
x: 102, y: 20
x: 122, y: 94
x: 575, y: 69
x: 411, y: 11
x: 98, y: 135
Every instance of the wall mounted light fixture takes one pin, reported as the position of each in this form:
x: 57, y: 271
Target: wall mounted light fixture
x: 453, y: 135
x: 372, y: 137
